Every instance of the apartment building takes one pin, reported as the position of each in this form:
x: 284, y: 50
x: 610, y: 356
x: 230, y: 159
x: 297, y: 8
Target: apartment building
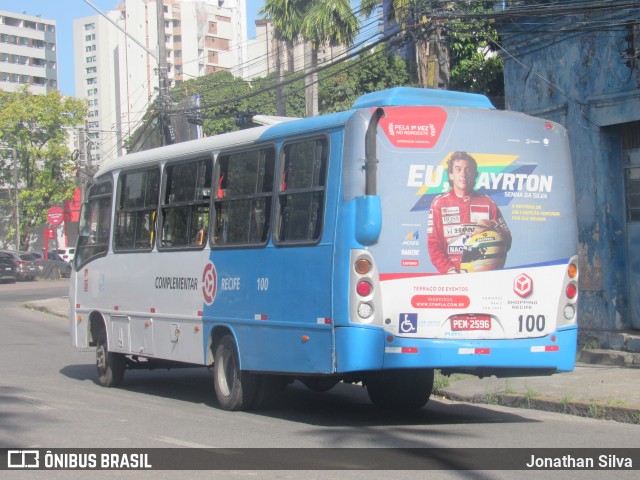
x: 27, y: 53
x: 118, y: 73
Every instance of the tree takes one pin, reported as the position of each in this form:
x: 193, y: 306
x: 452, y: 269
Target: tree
x: 286, y: 17
x: 475, y: 67
x: 225, y: 99
x: 376, y: 70
x: 318, y: 22
x: 35, y: 127
x: 221, y: 89
x: 453, y: 42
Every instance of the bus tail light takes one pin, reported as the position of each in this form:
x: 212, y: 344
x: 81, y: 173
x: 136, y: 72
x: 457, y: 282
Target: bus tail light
x: 567, y: 312
x: 365, y: 310
x: 362, y: 266
x: 364, y: 299
x: 364, y: 288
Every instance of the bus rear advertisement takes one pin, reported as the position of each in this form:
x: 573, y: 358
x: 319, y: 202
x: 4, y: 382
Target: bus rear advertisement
x: 419, y: 230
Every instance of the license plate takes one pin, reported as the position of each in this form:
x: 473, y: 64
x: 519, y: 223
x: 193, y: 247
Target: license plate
x: 470, y: 322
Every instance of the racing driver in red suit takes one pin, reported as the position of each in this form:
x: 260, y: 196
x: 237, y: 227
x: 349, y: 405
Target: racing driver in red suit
x: 459, y: 214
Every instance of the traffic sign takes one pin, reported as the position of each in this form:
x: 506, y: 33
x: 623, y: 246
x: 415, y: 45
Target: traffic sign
x: 55, y: 216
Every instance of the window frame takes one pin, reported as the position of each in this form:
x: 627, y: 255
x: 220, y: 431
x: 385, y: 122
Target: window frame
x: 281, y: 193
x: 193, y: 205
x: 79, y: 259
x: 269, y: 196
x: 119, y: 208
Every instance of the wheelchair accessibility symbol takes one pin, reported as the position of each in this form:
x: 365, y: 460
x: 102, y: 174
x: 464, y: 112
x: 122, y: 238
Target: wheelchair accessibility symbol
x: 408, y: 323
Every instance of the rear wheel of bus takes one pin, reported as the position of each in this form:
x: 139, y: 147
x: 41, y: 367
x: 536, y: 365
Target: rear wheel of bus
x: 401, y: 389
x: 235, y: 389
x: 111, y: 366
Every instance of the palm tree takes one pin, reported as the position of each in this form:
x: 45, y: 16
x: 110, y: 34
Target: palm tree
x: 318, y: 22
x: 286, y: 17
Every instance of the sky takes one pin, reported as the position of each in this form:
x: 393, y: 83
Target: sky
x: 65, y: 11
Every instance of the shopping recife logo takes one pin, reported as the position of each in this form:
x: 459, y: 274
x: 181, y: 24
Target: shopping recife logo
x: 209, y: 283
x: 523, y: 285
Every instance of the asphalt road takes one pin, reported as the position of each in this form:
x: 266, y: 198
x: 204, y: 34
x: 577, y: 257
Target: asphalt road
x: 49, y: 399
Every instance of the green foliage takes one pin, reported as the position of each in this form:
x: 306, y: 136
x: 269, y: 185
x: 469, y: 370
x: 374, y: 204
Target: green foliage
x: 342, y: 84
x: 474, y: 65
x: 222, y: 90
x: 35, y: 127
x: 470, y: 36
x: 227, y: 99
x: 265, y: 103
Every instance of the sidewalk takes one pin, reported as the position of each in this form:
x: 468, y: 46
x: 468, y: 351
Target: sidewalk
x: 605, y: 383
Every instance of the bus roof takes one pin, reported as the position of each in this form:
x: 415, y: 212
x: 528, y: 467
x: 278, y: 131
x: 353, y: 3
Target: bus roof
x: 403, y: 96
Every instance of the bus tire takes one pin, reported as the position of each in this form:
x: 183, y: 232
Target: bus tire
x: 111, y: 366
x: 401, y: 389
x: 235, y: 389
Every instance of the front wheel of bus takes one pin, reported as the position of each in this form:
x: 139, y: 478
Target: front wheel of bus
x: 110, y: 366
x: 235, y: 389
x: 401, y: 389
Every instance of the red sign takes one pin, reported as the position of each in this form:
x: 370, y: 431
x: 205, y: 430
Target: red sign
x: 55, y: 216
x: 418, y: 127
x: 49, y: 234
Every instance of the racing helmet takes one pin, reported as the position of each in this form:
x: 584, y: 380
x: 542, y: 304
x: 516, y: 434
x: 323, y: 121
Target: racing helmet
x: 483, y: 251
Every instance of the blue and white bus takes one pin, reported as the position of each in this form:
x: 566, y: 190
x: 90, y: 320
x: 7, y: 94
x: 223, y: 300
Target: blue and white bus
x: 419, y: 230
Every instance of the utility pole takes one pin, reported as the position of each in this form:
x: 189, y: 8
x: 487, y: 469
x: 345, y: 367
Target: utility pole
x: 15, y: 173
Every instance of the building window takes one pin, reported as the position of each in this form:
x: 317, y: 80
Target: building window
x: 89, y: 26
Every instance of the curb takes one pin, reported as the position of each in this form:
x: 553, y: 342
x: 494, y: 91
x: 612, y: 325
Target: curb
x: 43, y: 309
x: 594, y: 409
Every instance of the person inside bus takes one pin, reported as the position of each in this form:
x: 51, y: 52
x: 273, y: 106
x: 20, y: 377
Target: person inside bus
x: 462, y: 214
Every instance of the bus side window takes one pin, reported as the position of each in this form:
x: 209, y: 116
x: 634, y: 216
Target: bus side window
x: 95, y: 222
x: 301, y: 199
x: 243, y: 200
x: 185, y: 205
x: 137, y: 204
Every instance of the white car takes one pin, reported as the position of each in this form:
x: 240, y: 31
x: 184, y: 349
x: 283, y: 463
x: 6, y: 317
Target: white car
x: 67, y: 254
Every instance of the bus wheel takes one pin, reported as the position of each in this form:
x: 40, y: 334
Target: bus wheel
x: 111, y: 366
x: 235, y: 390
x: 401, y: 389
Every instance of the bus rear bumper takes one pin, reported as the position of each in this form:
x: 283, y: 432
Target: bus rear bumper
x: 555, y: 352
